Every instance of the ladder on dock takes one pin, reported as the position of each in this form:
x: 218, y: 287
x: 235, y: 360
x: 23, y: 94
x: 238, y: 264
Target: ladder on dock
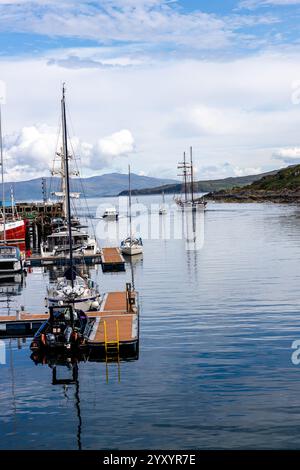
x: 112, y: 350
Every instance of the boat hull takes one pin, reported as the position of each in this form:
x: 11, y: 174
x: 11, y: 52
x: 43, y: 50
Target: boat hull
x: 15, y: 231
x: 132, y: 250
x: 192, y: 208
x: 84, y: 304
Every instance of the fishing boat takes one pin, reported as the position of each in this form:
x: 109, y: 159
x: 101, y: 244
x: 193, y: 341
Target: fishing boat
x: 15, y: 231
x: 66, y: 242
x: 162, y: 208
x: 12, y: 227
x: 11, y: 259
x: 188, y: 201
x: 131, y: 245
x: 110, y: 214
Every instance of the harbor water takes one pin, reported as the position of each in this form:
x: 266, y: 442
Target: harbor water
x: 219, y: 311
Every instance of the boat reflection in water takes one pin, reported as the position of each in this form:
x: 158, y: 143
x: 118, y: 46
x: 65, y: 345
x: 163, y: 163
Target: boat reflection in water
x: 193, y: 229
x: 11, y: 287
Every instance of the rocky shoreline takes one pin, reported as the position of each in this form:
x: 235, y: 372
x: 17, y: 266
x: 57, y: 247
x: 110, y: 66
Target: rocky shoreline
x: 250, y: 195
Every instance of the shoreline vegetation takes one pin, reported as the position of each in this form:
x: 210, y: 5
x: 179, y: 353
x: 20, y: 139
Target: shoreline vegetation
x: 283, y: 187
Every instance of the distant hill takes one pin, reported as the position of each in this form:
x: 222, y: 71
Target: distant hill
x: 203, y: 186
x: 109, y: 184
x: 282, y: 186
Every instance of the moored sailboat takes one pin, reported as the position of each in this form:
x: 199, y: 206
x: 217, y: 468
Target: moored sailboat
x: 162, y: 208
x: 131, y: 245
x: 189, y: 201
x: 66, y: 241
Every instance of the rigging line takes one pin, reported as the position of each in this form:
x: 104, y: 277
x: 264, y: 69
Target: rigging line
x: 81, y: 187
x: 78, y: 159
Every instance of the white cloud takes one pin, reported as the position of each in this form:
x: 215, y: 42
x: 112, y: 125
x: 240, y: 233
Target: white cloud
x: 251, y: 4
x: 235, y: 111
x: 288, y: 155
x: 30, y: 152
x: 117, y: 144
x: 151, y: 23
x: 246, y: 171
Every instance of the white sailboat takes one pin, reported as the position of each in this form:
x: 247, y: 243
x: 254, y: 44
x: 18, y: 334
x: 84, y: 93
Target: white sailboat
x: 162, y: 208
x: 57, y: 243
x: 131, y: 245
x: 72, y: 288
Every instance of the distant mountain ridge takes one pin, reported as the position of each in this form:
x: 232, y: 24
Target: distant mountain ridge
x: 203, y: 186
x: 110, y: 184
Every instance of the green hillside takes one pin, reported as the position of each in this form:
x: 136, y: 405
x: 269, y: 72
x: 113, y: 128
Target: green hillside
x: 281, y: 187
x: 288, y: 178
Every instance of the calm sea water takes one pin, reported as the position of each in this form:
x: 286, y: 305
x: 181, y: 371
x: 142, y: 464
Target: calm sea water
x: 218, y: 317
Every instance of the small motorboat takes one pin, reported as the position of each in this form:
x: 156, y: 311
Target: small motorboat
x: 110, y: 214
x: 132, y: 246
x: 64, y: 329
x: 11, y: 260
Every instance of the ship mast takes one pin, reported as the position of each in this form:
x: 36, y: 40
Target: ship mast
x: 184, y: 167
x: 129, y: 200
x: 2, y: 177
x: 67, y: 180
x: 192, y: 175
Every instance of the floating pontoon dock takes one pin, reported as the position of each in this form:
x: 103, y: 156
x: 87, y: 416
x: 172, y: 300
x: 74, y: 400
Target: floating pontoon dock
x: 116, y: 324
x: 112, y: 260
x: 37, y: 260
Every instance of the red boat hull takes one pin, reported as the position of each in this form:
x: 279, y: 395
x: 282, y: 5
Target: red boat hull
x: 15, y: 231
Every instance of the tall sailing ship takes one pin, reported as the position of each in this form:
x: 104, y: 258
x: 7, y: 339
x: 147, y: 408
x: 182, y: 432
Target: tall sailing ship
x: 188, y: 201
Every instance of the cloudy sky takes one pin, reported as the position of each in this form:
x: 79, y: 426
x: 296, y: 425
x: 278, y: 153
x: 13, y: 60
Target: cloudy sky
x: 148, y: 78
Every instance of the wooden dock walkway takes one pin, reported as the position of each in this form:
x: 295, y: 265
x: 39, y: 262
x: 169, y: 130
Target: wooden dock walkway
x: 38, y: 260
x: 112, y: 260
x: 116, y: 321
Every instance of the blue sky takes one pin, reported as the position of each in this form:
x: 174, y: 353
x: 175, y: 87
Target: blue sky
x: 148, y: 78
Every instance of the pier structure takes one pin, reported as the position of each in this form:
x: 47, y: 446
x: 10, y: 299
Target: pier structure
x: 113, y: 331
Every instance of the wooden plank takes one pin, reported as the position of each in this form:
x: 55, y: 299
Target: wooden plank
x: 23, y: 317
x: 125, y: 329
x: 112, y: 256
x: 115, y: 301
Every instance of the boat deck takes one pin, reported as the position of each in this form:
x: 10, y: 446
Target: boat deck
x: 112, y: 260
